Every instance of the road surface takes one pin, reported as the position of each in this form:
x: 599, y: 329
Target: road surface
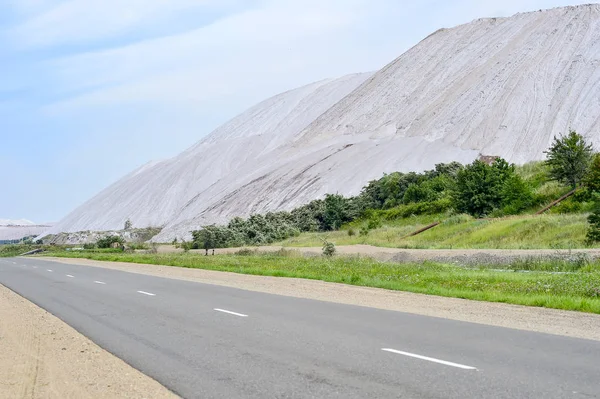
x: 205, y: 341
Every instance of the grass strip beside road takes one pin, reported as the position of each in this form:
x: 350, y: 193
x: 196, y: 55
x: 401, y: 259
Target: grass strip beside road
x: 579, y: 290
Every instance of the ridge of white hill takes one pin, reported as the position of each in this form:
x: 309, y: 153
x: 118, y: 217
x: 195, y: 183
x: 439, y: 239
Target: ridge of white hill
x: 498, y: 86
x: 502, y: 86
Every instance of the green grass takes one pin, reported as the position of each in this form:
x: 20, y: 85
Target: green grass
x: 579, y: 290
x: 9, y: 251
x: 516, y: 232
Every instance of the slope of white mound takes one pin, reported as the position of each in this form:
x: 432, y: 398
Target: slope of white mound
x: 159, y: 191
x: 494, y: 86
x: 503, y: 86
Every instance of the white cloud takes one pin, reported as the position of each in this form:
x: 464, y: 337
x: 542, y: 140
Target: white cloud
x: 79, y: 21
x: 233, y: 54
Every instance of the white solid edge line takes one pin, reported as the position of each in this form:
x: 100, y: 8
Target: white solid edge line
x: 68, y: 275
x: 99, y: 282
x: 430, y: 359
x: 146, y: 293
x: 229, y: 312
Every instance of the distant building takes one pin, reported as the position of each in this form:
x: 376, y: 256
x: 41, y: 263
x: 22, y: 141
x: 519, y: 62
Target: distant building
x: 488, y: 159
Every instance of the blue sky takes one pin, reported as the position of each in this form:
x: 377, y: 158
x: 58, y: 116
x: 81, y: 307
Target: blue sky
x: 91, y: 89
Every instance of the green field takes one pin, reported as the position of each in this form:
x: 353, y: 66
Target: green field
x: 517, y: 232
x: 576, y: 287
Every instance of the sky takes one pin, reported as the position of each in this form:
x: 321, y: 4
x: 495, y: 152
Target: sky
x: 92, y: 89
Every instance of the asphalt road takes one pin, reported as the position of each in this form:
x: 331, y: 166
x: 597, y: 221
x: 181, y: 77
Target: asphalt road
x: 204, y: 341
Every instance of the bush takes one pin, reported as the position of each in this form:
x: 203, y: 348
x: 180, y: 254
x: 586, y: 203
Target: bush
x: 516, y: 195
x: 139, y: 246
x: 89, y: 246
x: 110, y: 241
x: 593, y: 234
x: 245, y: 252
x: 416, y: 209
x: 592, y: 178
x: 567, y: 206
x: 351, y: 232
x: 328, y: 249
x: 480, y: 187
x: 186, y: 245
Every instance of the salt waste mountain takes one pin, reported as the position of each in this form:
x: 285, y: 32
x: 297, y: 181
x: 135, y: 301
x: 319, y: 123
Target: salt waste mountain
x: 497, y: 86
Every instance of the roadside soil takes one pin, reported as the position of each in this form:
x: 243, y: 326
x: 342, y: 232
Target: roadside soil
x: 42, y: 357
x: 457, y: 256
x: 550, y: 321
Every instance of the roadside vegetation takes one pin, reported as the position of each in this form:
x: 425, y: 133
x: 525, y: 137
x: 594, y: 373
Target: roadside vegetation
x: 569, y: 284
x: 487, y: 204
x: 12, y: 250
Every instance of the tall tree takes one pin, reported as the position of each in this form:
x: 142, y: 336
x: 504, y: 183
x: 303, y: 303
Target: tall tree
x: 569, y: 158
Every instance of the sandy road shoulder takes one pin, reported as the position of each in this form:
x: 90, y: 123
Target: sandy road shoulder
x: 550, y: 321
x: 42, y: 357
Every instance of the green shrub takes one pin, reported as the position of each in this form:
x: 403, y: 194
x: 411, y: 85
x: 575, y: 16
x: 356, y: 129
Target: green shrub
x: 593, y: 234
x: 351, y: 232
x: 567, y: 206
x: 110, y: 241
x: 416, y: 209
x: 139, y: 246
x: 245, y: 252
x: 328, y: 249
x: 482, y: 188
x: 516, y: 195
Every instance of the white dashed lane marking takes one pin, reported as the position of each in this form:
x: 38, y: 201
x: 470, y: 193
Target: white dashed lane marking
x: 230, y: 312
x: 430, y: 359
x: 146, y: 293
x: 100, y: 282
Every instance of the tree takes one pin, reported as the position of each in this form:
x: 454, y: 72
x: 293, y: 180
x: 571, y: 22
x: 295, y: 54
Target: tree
x: 592, y: 179
x: 336, y: 212
x: 569, y: 159
x: 128, y: 224
x: 479, y: 186
x: 211, y: 237
x: 592, y: 183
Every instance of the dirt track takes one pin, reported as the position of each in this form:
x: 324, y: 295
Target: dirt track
x: 41, y: 357
x: 461, y: 256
